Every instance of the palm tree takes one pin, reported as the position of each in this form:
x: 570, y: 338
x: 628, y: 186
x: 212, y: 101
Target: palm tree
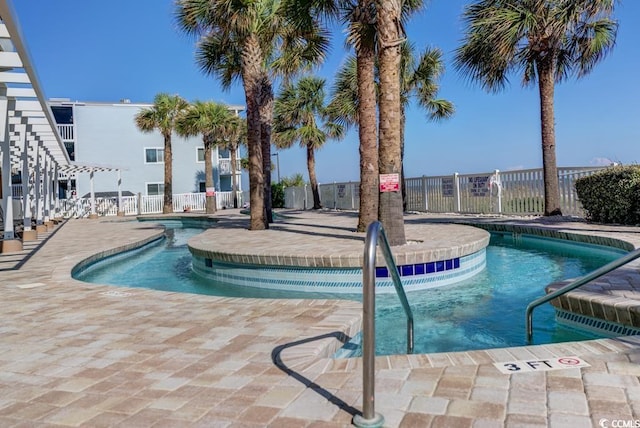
x: 237, y: 136
x: 418, y: 78
x: 162, y: 117
x: 211, y: 120
x: 390, y: 38
x: 547, y: 41
x: 250, y: 41
x: 362, y: 36
x: 299, y: 110
x: 360, y: 17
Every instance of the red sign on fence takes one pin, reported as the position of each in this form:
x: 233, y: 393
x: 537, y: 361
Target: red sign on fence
x: 389, y: 182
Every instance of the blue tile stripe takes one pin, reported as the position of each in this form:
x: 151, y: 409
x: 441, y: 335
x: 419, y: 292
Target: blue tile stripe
x: 420, y: 269
x: 339, y: 280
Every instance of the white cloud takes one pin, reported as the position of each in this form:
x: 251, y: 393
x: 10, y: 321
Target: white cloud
x: 601, y: 162
x: 515, y: 168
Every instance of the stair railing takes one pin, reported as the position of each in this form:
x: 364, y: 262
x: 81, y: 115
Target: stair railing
x: 575, y: 284
x: 375, y: 232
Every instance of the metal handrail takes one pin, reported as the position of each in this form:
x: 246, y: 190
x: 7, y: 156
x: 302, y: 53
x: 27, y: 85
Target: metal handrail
x: 575, y: 284
x: 375, y: 231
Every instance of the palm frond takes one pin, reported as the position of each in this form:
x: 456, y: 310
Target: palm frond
x: 343, y: 105
x: 505, y: 36
x: 220, y: 57
x: 300, y: 115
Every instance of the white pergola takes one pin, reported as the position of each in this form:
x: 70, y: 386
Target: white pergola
x: 30, y: 142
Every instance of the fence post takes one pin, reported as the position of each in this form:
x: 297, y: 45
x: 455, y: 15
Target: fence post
x: 139, y: 203
x: 335, y: 196
x: 456, y: 186
x: 425, y: 194
x: 352, y: 198
x: 305, y: 196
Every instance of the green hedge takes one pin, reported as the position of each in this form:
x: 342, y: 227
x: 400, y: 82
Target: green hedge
x: 277, y: 195
x: 611, y: 195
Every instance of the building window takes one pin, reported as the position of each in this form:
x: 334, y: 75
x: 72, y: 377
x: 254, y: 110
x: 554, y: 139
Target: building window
x: 200, y: 154
x: 71, y: 149
x: 153, y: 155
x: 154, y: 189
x: 224, y: 153
x: 62, y: 114
x: 202, y: 187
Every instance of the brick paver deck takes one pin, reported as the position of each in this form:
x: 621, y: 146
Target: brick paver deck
x: 77, y: 354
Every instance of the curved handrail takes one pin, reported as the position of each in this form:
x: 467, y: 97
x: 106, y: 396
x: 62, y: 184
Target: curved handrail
x: 575, y: 284
x: 375, y: 231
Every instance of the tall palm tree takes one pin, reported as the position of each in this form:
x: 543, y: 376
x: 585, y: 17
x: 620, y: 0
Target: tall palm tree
x: 212, y: 121
x: 162, y: 117
x: 236, y: 136
x: 547, y: 42
x: 362, y: 36
x: 418, y: 78
x: 299, y: 117
x: 390, y: 38
x: 250, y: 41
x: 360, y: 17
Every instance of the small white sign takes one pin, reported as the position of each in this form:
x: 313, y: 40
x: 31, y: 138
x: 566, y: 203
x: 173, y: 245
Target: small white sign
x: 555, y: 363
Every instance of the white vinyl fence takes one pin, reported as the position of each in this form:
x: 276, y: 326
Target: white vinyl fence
x: 136, y: 205
x: 512, y: 192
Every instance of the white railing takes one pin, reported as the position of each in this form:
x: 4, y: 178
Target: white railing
x: 512, y: 192
x: 129, y: 205
x: 16, y: 190
x: 151, y: 204
x: 66, y: 132
x: 104, y: 206
x: 188, y: 202
x: 224, y: 166
x: 225, y: 199
x: 136, y: 205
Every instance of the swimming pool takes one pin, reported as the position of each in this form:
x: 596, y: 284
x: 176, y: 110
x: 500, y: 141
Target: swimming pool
x: 484, y: 312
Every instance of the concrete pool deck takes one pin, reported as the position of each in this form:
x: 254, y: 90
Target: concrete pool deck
x: 77, y: 354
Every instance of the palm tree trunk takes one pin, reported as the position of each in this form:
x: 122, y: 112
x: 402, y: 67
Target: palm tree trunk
x: 389, y: 39
x: 365, y: 67
x: 210, y: 202
x: 251, y: 79
x: 549, y: 166
x: 234, y: 179
x: 311, y: 167
x: 266, y: 120
x: 403, y: 121
x: 167, y: 206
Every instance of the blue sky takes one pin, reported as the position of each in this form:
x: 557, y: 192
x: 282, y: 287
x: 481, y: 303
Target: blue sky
x: 105, y: 51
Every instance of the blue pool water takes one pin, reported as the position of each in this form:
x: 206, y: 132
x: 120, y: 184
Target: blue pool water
x: 486, y: 311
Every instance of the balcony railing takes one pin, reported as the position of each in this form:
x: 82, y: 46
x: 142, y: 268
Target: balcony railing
x: 224, y: 166
x: 66, y: 132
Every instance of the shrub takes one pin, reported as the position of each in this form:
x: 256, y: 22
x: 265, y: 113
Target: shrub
x: 277, y: 195
x: 611, y: 195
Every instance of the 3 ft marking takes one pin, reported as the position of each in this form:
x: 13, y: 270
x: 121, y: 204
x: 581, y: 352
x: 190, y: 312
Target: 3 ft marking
x: 555, y: 363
